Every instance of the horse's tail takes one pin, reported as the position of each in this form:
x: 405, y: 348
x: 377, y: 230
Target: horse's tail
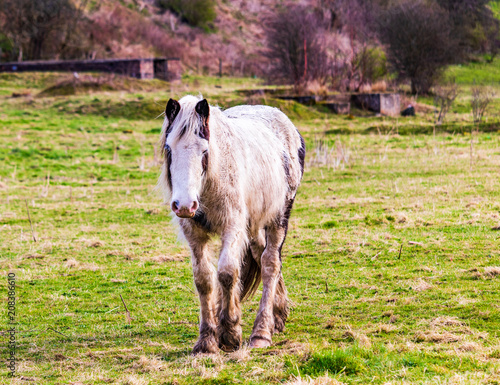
x: 250, y: 276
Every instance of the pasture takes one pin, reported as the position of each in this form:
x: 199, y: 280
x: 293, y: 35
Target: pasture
x: 392, y: 260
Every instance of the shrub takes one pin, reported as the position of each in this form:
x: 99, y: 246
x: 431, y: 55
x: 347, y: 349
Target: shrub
x: 197, y: 13
x: 38, y: 29
x: 419, y: 42
x: 444, y: 97
x: 294, y: 45
x: 474, y: 25
x: 481, y: 99
x: 372, y: 64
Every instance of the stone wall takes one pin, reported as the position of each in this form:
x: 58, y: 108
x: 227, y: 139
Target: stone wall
x: 385, y: 104
x: 136, y: 68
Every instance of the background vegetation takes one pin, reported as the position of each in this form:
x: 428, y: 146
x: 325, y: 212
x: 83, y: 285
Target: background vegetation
x: 317, y: 45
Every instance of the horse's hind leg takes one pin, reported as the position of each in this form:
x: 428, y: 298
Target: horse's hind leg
x: 273, y: 309
x: 204, y: 279
x: 263, y: 328
x: 280, y: 306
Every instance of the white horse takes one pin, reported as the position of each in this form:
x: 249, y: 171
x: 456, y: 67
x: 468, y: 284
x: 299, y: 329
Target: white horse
x: 234, y: 174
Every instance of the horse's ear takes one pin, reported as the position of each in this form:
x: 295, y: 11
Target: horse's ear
x: 172, y: 109
x: 203, y: 110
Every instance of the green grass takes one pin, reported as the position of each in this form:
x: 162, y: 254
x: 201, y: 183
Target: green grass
x: 390, y: 258
x: 479, y: 73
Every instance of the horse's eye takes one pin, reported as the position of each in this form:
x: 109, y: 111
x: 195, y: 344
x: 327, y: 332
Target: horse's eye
x: 167, y: 148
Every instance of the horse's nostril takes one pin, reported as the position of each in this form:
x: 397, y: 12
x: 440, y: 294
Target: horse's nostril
x: 194, y: 206
x: 175, y: 205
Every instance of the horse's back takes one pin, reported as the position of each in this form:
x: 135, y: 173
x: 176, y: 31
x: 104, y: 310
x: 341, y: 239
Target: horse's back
x: 284, y: 131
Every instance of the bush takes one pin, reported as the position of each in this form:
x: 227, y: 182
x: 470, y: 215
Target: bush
x: 294, y: 45
x: 371, y: 63
x: 197, y: 13
x: 474, y: 25
x: 41, y: 29
x: 419, y: 42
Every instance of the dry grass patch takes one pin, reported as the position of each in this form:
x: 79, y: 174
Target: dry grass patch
x: 488, y: 272
x: 74, y: 264
x: 71, y: 263
x: 385, y: 328
x: 148, y: 365
x: 323, y: 380
x: 34, y: 256
x: 421, y: 285
x: 93, y: 242
x: 432, y: 336
x: 492, y: 271
x: 446, y: 321
x: 469, y: 347
x: 240, y: 355
x: 288, y: 347
x: 168, y: 258
x: 360, y: 338
x: 132, y: 379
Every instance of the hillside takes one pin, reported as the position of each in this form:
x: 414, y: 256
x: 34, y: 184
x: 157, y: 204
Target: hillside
x: 133, y: 28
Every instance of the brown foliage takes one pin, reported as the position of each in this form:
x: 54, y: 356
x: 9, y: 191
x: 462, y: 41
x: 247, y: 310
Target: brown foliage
x: 295, y: 46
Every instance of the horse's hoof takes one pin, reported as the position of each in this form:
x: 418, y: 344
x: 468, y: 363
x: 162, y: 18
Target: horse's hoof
x: 279, y: 324
x: 229, y: 343
x: 205, y: 346
x: 257, y: 342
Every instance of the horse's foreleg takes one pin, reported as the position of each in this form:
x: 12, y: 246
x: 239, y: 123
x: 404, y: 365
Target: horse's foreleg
x: 204, y: 279
x: 264, y: 325
x: 228, y: 272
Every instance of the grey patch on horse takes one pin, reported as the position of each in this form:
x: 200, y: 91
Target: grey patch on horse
x: 204, y: 162
x: 168, y: 154
x: 201, y: 220
x: 182, y: 132
x: 283, y: 220
x: 286, y: 164
x: 302, y: 153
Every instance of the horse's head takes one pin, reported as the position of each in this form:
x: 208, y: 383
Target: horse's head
x: 185, y: 145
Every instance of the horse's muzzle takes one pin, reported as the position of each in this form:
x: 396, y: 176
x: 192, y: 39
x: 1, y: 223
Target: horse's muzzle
x: 184, y: 212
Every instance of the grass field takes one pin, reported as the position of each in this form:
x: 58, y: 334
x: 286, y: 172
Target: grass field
x: 392, y: 260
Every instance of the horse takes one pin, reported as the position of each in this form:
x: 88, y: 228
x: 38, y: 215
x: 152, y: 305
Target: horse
x: 232, y: 174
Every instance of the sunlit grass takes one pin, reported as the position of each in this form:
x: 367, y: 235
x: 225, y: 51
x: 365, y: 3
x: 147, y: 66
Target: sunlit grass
x: 391, y: 261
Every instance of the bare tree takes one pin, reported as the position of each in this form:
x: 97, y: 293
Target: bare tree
x: 294, y: 45
x: 34, y: 25
x: 444, y: 96
x: 419, y: 42
x: 481, y: 98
